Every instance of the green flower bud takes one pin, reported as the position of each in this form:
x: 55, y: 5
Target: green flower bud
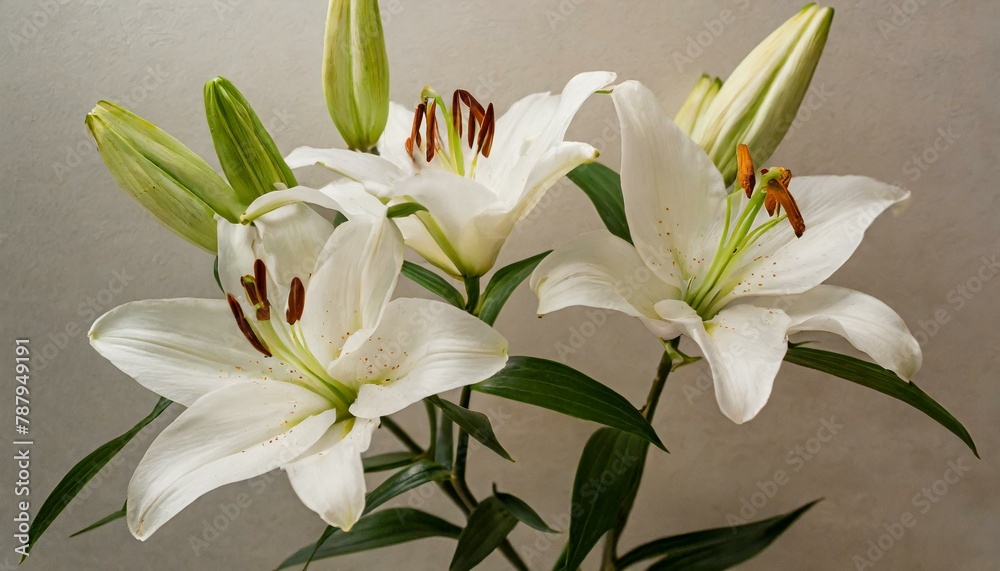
x: 166, y: 177
x: 356, y: 72
x: 759, y: 101
x: 697, y: 103
x: 246, y: 151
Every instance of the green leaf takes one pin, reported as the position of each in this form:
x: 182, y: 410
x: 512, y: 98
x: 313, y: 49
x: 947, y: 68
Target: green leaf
x: 488, y: 526
x: 444, y: 450
x: 504, y: 282
x: 475, y: 423
x: 106, y: 519
x: 882, y: 380
x: 79, y: 475
x: 403, y: 481
x: 557, y: 387
x: 434, y: 284
x: 522, y: 511
x: 608, y: 474
x: 604, y: 188
x: 388, y: 461
x: 380, y: 529
x: 404, y: 209
x: 713, y: 549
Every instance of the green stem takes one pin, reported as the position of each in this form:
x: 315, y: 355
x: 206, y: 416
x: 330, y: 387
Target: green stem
x: 609, y: 559
x: 472, y: 294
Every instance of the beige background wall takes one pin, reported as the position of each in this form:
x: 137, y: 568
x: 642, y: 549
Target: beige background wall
x: 898, y: 79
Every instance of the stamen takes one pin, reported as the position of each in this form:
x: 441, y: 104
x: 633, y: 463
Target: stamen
x: 486, y: 133
x: 456, y: 112
x: 431, y: 129
x: 418, y: 118
x: 778, y: 188
x: 476, y: 114
x: 244, y: 326
x: 744, y: 170
x: 296, y: 301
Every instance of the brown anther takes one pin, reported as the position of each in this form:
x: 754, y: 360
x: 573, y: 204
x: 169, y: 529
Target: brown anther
x: 456, y: 113
x: 431, y: 129
x: 418, y: 118
x: 744, y: 170
x: 476, y: 113
x: 296, y: 301
x: 244, y: 326
x: 778, y: 188
x: 485, y: 141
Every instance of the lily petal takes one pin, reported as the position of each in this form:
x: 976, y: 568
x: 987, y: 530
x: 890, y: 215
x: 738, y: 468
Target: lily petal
x: 392, y: 145
x: 329, y: 477
x: 867, y: 323
x: 420, y: 348
x: 550, y: 168
x: 353, y: 280
x: 466, y: 216
x: 674, y: 195
x: 374, y: 172
x: 345, y: 196
x: 228, y: 435
x: 744, y: 346
x: 598, y: 269
x: 181, y: 349
x: 837, y: 211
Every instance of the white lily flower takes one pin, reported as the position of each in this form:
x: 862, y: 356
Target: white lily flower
x: 714, y: 267
x: 316, y: 355
x: 476, y: 180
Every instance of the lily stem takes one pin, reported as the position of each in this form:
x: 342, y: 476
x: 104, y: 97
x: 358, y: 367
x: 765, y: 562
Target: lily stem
x: 609, y: 559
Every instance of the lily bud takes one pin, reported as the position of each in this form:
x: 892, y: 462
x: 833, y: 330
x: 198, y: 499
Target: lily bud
x: 166, y: 177
x: 697, y: 103
x: 759, y: 101
x: 356, y: 72
x: 246, y: 151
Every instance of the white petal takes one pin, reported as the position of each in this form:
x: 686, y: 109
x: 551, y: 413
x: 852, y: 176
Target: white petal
x: 674, y: 196
x: 345, y: 196
x: 420, y: 240
x: 837, y: 211
x: 374, y: 172
x: 551, y: 167
x: 870, y: 325
x: 392, y: 144
x: 420, y: 348
x: 463, y: 216
x: 533, y: 125
x: 329, y: 477
x: 181, y: 349
x: 354, y: 278
x: 744, y: 346
x: 598, y: 269
x: 228, y: 435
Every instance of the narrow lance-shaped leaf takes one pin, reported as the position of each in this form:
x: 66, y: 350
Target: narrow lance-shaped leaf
x: 882, y: 380
x: 713, y: 549
x: 560, y: 388
x: 475, y: 423
x: 380, y: 529
x: 420, y: 473
x: 104, y: 520
x: 522, y: 511
x: 79, y: 475
x: 488, y: 526
x: 504, y: 282
x: 387, y: 461
x: 433, y: 283
x: 604, y: 188
x: 606, y: 478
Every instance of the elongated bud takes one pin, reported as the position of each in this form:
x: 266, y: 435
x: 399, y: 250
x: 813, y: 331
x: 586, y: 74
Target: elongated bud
x: 759, y: 101
x: 697, y: 103
x: 173, y: 183
x: 246, y: 151
x: 356, y: 72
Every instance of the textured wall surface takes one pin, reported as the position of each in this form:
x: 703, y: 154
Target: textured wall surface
x: 906, y: 92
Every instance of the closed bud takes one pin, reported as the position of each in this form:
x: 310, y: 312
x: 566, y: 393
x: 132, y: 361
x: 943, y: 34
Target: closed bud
x: 356, y: 72
x: 173, y: 183
x: 697, y: 103
x: 759, y: 101
x: 246, y: 151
